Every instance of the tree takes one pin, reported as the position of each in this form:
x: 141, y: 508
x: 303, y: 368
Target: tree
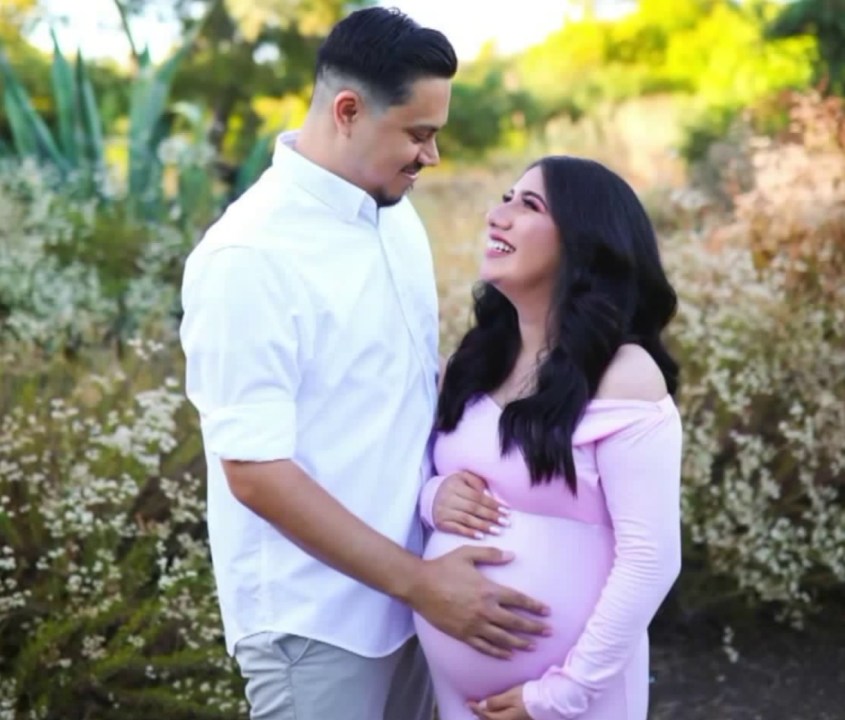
x: 245, y: 48
x: 824, y: 19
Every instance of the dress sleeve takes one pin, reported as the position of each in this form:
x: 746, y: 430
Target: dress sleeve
x: 639, y: 469
x: 243, y: 337
x: 427, y: 495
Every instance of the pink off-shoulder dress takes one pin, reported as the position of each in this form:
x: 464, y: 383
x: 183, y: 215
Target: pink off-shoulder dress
x: 602, y: 560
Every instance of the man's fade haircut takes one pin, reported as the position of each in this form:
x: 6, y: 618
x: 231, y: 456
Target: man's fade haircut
x: 383, y: 52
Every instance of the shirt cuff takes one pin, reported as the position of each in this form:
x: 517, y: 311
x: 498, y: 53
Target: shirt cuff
x: 258, y: 432
x: 427, y: 495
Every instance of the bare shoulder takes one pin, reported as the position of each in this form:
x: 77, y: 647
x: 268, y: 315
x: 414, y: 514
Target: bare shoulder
x: 632, y: 375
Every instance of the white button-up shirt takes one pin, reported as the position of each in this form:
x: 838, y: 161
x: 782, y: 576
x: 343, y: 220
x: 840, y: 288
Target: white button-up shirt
x: 310, y: 332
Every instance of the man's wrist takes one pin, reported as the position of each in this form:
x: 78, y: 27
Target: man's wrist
x: 405, y: 584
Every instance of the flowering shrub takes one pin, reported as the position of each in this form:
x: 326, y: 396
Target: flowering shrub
x: 764, y: 459
x: 107, y: 603
x: 761, y: 334
x: 74, y: 274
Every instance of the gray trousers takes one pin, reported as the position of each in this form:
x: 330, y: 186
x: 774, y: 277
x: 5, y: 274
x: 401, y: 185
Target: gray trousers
x: 289, y: 677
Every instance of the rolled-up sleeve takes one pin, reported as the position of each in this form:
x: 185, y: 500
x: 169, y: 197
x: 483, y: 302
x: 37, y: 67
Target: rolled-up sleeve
x: 243, y: 334
x: 640, y: 473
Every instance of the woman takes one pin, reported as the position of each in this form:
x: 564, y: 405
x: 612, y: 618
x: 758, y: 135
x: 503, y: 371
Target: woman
x: 560, y: 398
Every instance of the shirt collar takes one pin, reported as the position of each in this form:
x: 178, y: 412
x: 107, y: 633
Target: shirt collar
x: 349, y: 201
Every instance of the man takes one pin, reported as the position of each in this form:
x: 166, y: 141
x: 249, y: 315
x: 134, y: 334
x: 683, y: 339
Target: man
x: 310, y: 332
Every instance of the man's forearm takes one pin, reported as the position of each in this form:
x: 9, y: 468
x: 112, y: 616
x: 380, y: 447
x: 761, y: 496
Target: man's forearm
x: 285, y: 496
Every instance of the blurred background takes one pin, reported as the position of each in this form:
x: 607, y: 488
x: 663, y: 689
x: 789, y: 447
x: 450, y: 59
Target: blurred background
x: 127, y: 126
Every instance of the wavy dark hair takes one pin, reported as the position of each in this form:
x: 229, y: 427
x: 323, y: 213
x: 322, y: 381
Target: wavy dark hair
x: 611, y: 289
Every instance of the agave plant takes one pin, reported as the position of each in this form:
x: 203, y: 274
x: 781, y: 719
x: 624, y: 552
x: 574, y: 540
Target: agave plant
x: 30, y: 134
x: 77, y: 147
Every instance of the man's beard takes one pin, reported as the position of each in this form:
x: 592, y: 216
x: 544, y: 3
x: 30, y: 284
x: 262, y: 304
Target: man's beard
x: 383, y: 200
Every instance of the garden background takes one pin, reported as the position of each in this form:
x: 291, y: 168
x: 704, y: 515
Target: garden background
x: 727, y: 117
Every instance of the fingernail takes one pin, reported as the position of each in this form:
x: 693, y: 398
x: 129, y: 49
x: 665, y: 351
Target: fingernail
x: 504, y: 521
x: 508, y: 555
x: 547, y: 632
x: 479, y: 535
x: 495, y: 530
x: 531, y: 646
x: 546, y: 611
x: 504, y: 510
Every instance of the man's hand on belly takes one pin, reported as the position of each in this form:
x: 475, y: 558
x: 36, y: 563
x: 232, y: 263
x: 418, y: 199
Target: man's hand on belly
x: 452, y: 595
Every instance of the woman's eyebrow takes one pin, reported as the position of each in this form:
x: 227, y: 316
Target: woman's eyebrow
x: 536, y: 196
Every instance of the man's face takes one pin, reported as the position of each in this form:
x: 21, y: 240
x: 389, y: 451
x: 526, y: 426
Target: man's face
x: 389, y: 147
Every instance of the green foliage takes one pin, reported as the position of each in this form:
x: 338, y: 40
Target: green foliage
x: 76, y: 273
x: 247, y: 49
x: 30, y: 134
x: 704, y: 129
x: 107, y: 604
x: 824, y: 20
x: 148, y: 128
x: 254, y: 164
x: 78, y: 146
x: 726, y: 60
x: 714, y: 51
x: 760, y: 334
x: 479, y: 115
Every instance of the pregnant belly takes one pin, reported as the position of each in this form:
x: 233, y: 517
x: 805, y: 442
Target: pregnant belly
x: 560, y: 562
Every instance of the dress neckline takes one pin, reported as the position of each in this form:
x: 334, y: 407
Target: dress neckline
x: 604, y: 402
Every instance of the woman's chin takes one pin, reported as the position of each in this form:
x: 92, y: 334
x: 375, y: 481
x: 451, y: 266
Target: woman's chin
x: 489, y: 275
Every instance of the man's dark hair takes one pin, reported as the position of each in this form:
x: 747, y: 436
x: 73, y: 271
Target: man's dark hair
x: 386, y: 52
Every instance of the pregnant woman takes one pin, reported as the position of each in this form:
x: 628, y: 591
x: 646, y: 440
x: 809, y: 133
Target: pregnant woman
x: 561, y: 399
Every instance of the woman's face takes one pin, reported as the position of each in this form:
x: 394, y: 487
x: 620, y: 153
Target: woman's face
x: 523, y: 252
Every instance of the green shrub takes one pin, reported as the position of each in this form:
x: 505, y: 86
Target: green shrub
x: 76, y: 273
x: 761, y: 335
x: 107, y: 602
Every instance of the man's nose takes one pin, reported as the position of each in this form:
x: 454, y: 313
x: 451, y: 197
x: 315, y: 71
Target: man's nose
x: 429, y: 155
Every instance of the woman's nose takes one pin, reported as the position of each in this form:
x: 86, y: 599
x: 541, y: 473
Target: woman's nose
x: 497, y: 216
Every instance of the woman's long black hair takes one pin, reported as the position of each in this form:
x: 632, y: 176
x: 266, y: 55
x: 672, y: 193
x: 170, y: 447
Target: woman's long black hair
x: 611, y: 289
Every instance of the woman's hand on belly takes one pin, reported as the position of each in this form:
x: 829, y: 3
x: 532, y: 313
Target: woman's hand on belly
x: 505, y: 706
x: 463, y: 506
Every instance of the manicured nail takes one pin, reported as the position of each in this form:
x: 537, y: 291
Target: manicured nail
x: 478, y: 535
x: 504, y: 521
x: 495, y: 530
x: 504, y: 510
x: 547, y: 632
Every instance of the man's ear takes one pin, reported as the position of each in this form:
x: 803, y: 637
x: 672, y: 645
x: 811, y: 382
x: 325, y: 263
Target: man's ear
x: 346, y: 109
